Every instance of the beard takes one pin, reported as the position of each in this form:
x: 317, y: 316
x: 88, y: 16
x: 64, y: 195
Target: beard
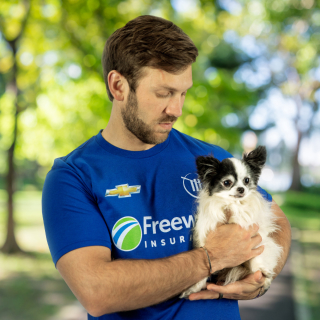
x: 143, y: 131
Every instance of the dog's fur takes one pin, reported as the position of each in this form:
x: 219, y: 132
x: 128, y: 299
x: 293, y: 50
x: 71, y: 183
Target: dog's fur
x: 229, y: 195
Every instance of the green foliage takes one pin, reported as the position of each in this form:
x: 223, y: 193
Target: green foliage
x: 64, y: 100
x: 302, y: 209
x: 302, y: 200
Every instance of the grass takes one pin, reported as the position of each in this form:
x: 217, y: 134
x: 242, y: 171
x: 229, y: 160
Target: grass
x: 30, y: 286
x: 305, y: 262
x: 27, y: 208
x: 303, y: 212
x: 32, y: 289
x: 302, y: 209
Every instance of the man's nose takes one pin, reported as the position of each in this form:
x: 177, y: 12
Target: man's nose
x: 174, y: 107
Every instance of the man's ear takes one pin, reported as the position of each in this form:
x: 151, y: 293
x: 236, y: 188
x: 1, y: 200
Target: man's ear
x: 207, y: 167
x: 117, y: 85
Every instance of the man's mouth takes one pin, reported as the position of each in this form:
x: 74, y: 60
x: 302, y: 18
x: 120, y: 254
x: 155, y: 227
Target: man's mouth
x: 166, y: 125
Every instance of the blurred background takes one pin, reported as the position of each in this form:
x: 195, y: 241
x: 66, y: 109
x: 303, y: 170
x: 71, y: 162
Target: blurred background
x: 256, y: 82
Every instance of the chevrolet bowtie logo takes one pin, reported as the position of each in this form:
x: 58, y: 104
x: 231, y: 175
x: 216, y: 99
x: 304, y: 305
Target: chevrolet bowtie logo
x: 123, y: 191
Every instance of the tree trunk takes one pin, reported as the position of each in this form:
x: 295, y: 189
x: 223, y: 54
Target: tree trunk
x: 10, y: 245
x: 296, y: 172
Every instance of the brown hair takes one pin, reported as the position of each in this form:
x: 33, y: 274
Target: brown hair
x: 147, y: 41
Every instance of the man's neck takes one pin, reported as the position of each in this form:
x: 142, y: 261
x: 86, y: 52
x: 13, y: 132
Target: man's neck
x: 119, y: 136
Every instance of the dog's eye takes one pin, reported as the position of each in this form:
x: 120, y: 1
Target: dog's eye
x: 227, y: 183
x: 246, y: 180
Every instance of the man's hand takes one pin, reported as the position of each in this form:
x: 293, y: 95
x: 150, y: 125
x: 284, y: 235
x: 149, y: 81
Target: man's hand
x: 230, y: 245
x: 245, y: 289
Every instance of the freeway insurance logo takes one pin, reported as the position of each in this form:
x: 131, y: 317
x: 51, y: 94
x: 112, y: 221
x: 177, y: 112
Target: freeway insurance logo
x: 126, y: 234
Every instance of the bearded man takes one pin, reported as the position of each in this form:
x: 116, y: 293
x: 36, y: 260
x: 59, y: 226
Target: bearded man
x: 118, y: 210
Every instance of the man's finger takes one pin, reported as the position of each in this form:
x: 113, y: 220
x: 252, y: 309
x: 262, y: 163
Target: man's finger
x: 257, y: 251
x: 258, y: 277
x: 256, y: 240
x: 232, y: 288
x: 249, y: 284
x: 204, y: 294
x: 253, y: 230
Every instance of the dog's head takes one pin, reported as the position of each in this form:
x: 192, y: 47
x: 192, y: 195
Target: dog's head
x: 231, y: 177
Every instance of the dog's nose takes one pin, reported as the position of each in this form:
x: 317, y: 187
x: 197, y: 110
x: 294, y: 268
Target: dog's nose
x: 240, y: 190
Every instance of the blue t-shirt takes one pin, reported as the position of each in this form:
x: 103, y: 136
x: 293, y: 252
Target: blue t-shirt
x: 140, y: 204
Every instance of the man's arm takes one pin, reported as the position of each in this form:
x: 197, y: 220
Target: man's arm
x: 249, y: 287
x: 105, y: 286
x: 282, y: 236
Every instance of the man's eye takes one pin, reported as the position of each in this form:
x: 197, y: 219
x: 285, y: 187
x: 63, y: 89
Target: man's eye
x: 246, y: 180
x: 163, y: 96
x: 227, y: 183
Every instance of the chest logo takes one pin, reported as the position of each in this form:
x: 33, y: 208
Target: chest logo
x: 123, y: 191
x: 127, y: 234
x: 192, y: 184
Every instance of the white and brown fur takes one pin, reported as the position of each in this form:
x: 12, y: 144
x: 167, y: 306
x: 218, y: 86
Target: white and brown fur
x: 230, y: 195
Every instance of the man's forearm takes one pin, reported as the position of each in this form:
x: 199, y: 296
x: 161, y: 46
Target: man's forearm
x: 122, y: 285
x: 282, y: 236
x: 105, y: 286
x: 156, y: 280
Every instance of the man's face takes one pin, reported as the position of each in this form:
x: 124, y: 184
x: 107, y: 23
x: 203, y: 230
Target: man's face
x: 151, y: 112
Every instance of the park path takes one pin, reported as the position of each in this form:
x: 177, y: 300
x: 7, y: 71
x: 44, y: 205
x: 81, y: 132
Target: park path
x: 276, y: 304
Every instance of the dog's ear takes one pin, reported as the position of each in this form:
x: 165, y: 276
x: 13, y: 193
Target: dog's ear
x: 207, y: 167
x: 256, y: 160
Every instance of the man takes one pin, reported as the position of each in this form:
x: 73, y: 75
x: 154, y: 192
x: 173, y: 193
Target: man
x: 118, y: 210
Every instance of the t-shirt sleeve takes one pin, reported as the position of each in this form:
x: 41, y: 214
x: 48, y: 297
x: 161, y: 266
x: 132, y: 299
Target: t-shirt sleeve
x: 265, y: 194
x: 71, y: 216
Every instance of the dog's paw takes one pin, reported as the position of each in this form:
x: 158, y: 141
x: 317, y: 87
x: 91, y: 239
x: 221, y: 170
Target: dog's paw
x: 267, y: 283
x: 184, y: 294
x: 187, y: 293
x: 195, y: 288
x: 268, y: 278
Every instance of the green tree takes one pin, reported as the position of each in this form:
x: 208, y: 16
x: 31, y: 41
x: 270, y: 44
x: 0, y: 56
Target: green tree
x: 12, y: 32
x: 60, y: 99
x: 282, y: 39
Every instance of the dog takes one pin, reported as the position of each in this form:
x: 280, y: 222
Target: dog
x: 229, y: 195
